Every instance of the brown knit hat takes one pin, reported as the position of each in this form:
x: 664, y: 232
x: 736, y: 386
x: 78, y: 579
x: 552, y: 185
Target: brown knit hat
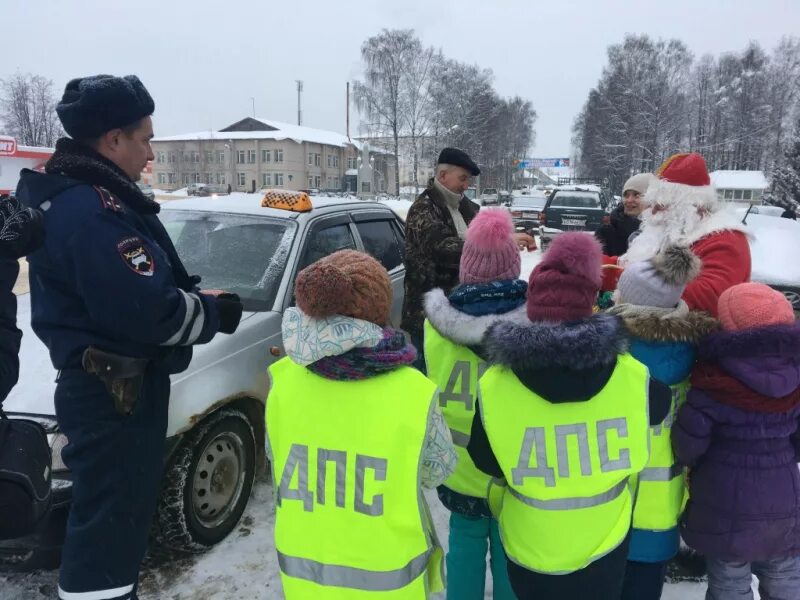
x: 348, y: 283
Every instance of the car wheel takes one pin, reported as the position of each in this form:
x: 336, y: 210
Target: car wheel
x: 207, y: 484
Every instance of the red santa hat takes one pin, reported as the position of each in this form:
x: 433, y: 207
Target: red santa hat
x: 683, y: 179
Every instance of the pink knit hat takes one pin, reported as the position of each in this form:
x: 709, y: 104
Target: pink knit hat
x: 564, y: 285
x: 750, y: 305
x: 489, y: 253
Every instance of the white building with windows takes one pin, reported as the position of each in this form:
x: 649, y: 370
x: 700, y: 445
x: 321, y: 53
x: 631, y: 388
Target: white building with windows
x: 744, y: 187
x: 253, y: 153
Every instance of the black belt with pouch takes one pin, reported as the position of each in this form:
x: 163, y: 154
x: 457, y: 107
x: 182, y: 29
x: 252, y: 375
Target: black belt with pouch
x: 122, y: 375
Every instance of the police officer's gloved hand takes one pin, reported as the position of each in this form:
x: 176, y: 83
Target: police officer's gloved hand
x: 21, y: 229
x: 229, y: 307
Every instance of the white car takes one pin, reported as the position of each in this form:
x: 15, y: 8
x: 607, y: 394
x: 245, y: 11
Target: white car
x: 215, y: 433
x: 775, y: 249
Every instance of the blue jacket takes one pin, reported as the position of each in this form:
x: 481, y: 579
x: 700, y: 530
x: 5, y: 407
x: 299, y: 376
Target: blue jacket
x: 668, y: 348
x: 108, y: 275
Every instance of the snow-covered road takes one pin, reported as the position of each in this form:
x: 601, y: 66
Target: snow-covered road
x: 242, y: 567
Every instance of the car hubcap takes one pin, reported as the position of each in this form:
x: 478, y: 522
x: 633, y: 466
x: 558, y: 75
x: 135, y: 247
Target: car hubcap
x: 218, y: 479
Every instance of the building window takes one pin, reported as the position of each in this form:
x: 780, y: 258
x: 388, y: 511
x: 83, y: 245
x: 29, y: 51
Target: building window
x: 242, y: 179
x: 171, y: 178
x: 209, y: 156
x: 336, y: 161
x: 317, y: 160
x: 186, y: 157
x: 251, y: 156
x: 310, y: 159
x: 220, y: 156
x: 747, y: 194
x: 266, y: 156
x: 330, y: 160
x: 195, y: 177
x: 195, y: 157
x: 240, y: 157
x: 160, y: 157
x: 185, y: 179
x: 171, y: 157
x: 737, y: 194
x: 756, y: 196
x: 310, y: 181
x: 220, y: 177
x: 208, y: 178
x: 162, y: 178
x: 266, y: 179
x: 278, y: 156
x: 278, y: 179
x: 316, y: 181
x: 728, y: 194
x: 352, y: 162
x: 336, y: 183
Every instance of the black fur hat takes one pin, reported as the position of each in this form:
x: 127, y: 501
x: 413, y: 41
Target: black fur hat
x: 94, y: 105
x: 458, y: 158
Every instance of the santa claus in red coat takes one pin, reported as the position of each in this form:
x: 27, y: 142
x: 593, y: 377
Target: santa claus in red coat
x: 684, y: 210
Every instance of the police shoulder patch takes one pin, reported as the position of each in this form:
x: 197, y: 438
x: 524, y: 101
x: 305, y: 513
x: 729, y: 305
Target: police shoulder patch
x: 136, y: 255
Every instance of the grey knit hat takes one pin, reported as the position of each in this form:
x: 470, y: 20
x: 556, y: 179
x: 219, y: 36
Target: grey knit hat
x: 660, y: 281
x: 638, y: 183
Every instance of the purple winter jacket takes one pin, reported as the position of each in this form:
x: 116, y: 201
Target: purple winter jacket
x: 738, y: 433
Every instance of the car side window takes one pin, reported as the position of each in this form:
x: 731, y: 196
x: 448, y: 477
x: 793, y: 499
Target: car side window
x: 326, y: 241
x: 380, y: 241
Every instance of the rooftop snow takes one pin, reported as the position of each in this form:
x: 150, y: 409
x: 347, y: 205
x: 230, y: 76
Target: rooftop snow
x: 283, y: 131
x: 739, y: 180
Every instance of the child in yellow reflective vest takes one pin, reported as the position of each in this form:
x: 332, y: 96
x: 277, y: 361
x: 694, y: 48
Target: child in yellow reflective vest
x: 489, y: 291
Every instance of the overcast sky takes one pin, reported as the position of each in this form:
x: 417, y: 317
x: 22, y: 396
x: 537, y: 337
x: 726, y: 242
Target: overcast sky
x: 203, y: 61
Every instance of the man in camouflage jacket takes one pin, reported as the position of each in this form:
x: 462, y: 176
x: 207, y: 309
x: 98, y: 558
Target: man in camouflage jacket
x: 435, y: 228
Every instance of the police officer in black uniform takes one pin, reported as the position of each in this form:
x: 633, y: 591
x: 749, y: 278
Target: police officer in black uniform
x: 118, y: 312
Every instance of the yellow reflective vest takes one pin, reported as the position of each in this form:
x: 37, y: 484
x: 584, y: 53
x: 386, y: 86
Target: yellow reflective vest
x: 568, y: 499
x: 351, y: 521
x: 455, y: 369
x: 662, y: 492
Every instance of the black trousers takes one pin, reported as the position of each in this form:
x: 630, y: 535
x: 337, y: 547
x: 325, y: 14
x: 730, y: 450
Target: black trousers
x: 601, y: 580
x: 116, y: 463
x: 644, y: 581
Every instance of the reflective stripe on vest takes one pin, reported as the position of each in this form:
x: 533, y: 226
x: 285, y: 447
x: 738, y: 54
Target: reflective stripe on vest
x: 456, y: 369
x: 351, y: 577
x: 662, y: 489
x: 569, y: 466
x: 346, y: 459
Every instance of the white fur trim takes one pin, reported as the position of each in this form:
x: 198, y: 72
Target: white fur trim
x: 461, y: 328
x: 691, y: 213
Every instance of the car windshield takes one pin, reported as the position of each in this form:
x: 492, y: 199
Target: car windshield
x: 576, y: 200
x: 241, y: 254
x: 529, y: 202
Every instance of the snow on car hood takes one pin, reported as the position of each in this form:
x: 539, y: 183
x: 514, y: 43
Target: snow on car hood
x: 774, y: 249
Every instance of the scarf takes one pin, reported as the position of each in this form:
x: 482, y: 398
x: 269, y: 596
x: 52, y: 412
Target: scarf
x: 725, y: 389
x: 308, y: 340
x: 494, y: 298
x: 453, y: 201
x: 75, y: 160
x: 390, y: 353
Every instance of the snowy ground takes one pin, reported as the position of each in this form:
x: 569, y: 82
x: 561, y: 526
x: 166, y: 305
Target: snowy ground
x: 242, y: 567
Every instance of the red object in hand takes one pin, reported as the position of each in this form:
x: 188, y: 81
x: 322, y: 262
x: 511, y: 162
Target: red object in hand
x: 611, y: 273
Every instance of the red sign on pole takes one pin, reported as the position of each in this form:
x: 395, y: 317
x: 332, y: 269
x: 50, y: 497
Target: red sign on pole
x: 8, y: 146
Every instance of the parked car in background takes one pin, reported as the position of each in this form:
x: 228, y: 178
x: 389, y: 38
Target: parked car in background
x: 212, y: 189
x: 774, y: 248
x: 490, y: 197
x: 215, y: 434
x: 471, y: 193
x: 505, y: 197
x: 193, y: 188
x: 526, y: 211
x: 147, y: 190
x: 573, y: 208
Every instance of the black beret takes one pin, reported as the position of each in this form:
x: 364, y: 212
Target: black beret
x: 458, y: 158
x: 94, y: 105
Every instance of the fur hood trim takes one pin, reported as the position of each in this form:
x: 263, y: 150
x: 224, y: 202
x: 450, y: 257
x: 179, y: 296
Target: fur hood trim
x: 654, y: 325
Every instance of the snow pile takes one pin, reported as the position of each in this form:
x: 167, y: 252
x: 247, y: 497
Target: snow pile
x: 400, y: 207
x: 739, y: 180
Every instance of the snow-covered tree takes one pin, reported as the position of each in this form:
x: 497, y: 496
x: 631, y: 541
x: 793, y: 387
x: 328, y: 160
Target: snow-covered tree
x: 785, y: 186
x: 27, y: 110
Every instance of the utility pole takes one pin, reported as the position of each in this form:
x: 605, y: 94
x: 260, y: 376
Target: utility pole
x: 254, y: 106
x: 299, y: 94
